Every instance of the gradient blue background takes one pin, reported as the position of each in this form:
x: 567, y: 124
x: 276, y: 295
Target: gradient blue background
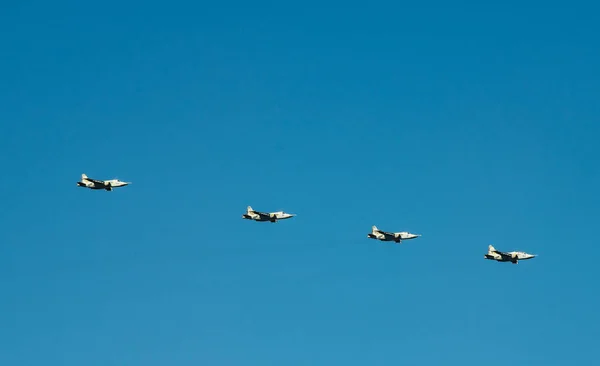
x: 469, y: 123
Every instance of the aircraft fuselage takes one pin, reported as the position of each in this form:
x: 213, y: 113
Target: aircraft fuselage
x: 513, y: 257
x: 100, y: 184
x: 396, y: 237
x: 266, y: 217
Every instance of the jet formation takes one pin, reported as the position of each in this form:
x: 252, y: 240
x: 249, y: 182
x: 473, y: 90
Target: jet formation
x: 377, y: 234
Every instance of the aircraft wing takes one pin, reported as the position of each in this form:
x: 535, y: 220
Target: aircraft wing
x: 505, y: 255
x: 95, y: 181
x: 262, y: 213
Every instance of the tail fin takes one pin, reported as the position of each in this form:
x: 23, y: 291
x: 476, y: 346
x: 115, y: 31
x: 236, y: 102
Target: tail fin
x: 249, y: 208
x: 83, y: 176
x: 374, y: 228
x: 491, y: 249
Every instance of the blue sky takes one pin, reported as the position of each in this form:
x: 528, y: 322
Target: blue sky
x: 470, y: 124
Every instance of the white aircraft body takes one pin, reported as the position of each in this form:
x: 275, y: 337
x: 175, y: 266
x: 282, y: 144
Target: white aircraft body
x: 388, y: 236
x: 265, y: 216
x: 100, y: 184
x: 513, y: 257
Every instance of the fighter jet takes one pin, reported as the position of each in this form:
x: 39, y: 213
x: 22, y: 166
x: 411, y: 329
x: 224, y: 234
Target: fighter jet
x: 388, y: 236
x: 265, y: 216
x: 513, y: 257
x: 100, y: 184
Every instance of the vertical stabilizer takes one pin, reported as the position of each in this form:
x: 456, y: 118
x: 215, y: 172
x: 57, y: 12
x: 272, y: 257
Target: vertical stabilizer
x: 83, y: 177
x: 491, y: 249
x: 374, y: 228
x: 249, y: 209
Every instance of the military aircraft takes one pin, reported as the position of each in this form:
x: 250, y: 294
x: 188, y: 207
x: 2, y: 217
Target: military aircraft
x: 388, y: 236
x: 265, y: 216
x: 100, y: 184
x: 513, y: 257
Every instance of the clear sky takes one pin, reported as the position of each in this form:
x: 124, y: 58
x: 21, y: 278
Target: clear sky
x: 471, y: 124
